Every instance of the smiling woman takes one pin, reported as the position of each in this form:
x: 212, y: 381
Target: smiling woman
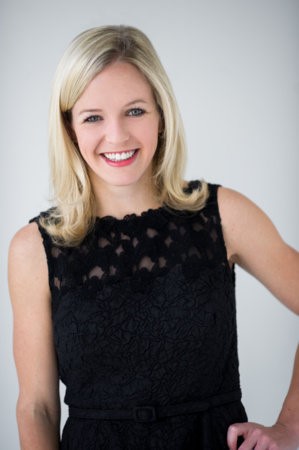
x: 123, y: 133
x: 125, y: 288
x: 82, y: 90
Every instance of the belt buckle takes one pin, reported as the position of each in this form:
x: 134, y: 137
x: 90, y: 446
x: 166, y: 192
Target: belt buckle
x: 144, y: 414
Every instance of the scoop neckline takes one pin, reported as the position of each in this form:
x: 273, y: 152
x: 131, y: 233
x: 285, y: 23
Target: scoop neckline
x: 192, y: 184
x: 133, y: 216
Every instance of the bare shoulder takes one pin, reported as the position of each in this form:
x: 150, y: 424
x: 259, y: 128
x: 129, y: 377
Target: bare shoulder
x: 27, y: 264
x: 253, y: 242
x: 27, y: 244
x: 28, y: 239
x: 242, y: 218
x: 232, y: 203
x: 244, y: 223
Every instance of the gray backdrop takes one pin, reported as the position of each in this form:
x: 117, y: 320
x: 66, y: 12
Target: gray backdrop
x: 235, y: 69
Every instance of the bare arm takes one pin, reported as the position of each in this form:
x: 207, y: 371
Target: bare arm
x: 38, y: 406
x: 253, y: 243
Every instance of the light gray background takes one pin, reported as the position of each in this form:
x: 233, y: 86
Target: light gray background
x: 235, y: 70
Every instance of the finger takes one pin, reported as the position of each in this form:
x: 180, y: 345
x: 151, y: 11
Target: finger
x: 254, y: 440
x: 234, y: 431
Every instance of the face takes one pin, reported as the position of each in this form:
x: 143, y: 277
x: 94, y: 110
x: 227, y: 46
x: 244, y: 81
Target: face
x: 116, y: 125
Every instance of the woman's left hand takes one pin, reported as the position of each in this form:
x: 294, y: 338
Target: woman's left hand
x: 258, y: 437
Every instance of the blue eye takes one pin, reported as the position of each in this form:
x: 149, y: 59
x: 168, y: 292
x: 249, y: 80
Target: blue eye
x: 135, y: 112
x: 92, y: 119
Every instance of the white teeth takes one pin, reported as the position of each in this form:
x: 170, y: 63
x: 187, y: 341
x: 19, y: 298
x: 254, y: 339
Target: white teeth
x: 119, y: 156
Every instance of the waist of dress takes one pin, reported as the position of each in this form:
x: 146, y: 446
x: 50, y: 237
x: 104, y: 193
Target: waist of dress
x: 147, y: 413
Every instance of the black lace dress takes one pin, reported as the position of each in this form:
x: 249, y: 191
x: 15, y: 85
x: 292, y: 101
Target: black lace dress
x: 145, y: 332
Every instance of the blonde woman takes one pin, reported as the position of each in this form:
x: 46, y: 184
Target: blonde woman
x: 124, y: 289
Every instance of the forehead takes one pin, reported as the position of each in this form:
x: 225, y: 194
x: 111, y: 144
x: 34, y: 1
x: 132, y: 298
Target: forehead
x: 118, y: 82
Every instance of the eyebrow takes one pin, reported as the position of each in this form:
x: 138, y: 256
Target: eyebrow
x: 97, y: 110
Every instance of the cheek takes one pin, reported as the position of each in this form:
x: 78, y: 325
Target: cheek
x: 150, y: 136
x: 87, y: 142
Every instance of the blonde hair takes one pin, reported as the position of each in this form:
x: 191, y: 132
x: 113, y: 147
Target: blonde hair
x: 88, y: 54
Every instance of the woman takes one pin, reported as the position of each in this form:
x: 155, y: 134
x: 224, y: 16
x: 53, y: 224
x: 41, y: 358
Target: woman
x: 125, y: 288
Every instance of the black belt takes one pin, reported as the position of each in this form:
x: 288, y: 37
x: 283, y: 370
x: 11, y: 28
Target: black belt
x: 153, y: 413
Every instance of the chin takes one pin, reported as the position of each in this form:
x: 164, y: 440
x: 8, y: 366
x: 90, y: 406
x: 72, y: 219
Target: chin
x: 127, y: 179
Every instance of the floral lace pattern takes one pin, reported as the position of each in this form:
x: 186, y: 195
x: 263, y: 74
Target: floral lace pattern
x: 144, y: 314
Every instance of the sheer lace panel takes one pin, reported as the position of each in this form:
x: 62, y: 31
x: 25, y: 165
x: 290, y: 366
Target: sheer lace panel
x: 142, y: 246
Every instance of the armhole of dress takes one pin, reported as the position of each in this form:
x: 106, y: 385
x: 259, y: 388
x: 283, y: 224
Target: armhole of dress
x: 213, y: 200
x: 47, y: 244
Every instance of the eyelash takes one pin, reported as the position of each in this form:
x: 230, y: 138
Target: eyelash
x: 92, y: 119
x: 134, y: 112
x: 139, y: 111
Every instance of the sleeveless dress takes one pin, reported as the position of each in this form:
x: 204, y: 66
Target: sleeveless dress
x: 144, y: 324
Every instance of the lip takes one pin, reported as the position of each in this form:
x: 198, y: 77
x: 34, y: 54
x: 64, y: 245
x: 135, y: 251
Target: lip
x: 120, y: 163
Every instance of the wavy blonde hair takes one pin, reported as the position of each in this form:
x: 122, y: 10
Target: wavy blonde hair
x: 88, y: 54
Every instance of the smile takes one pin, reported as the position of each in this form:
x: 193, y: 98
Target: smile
x: 122, y: 156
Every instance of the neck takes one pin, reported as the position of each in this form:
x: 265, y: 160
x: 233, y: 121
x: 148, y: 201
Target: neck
x: 119, y: 201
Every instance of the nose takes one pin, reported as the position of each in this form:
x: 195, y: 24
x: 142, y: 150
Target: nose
x: 116, y: 132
